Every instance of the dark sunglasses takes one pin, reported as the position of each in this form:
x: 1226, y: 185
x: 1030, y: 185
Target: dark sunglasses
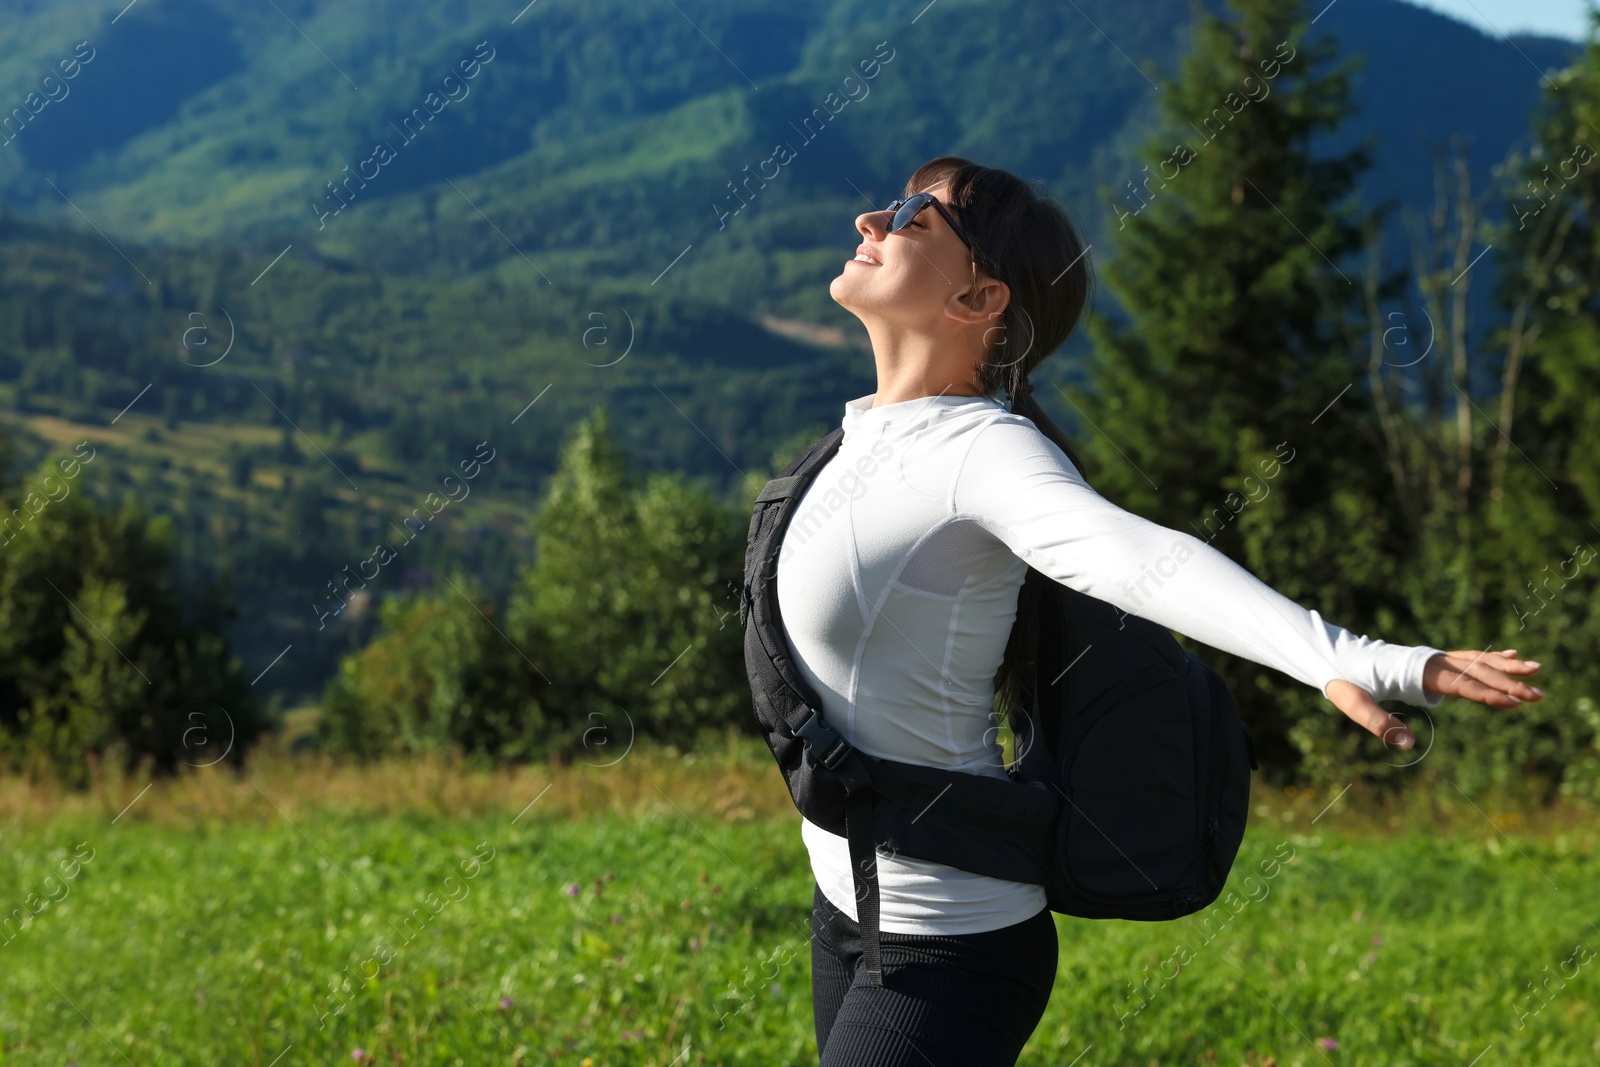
x: 908, y: 209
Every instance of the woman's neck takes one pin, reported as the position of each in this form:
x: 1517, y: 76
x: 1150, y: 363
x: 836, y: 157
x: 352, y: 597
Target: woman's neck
x: 912, y: 365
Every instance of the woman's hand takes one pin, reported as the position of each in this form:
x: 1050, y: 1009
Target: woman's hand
x: 1483, y: 677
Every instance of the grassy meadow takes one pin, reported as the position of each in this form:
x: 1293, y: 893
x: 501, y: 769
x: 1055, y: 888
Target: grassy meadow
x: 654, y: 909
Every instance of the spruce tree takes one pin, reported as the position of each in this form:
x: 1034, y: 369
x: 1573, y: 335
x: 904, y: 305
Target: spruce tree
x: 624, y: 607
x: 1224, y: 261
x: 1229, y: 402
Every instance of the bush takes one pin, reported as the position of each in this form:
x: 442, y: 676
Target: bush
x: 439, y: 676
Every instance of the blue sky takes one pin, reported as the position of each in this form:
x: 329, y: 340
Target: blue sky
x: 1557, y: 18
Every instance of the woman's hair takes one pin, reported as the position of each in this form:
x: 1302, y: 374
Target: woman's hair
x: 1029, y: 242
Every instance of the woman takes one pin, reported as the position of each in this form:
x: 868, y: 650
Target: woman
x: 898, y: 582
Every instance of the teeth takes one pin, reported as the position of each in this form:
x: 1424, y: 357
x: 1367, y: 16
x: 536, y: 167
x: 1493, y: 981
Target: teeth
x: 863, y: 258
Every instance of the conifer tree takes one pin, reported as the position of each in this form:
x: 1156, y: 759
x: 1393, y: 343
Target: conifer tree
x: 1224, y: 261
x: 1538, y: 554
x: 624, y: 606
x: 1551, y: 287
x: 100, y: 650
x: 1229, y: 403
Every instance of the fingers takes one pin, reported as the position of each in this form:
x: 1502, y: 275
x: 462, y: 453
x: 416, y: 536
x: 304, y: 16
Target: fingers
x: 1470, y: 688
x: 1358, y: 706
x: 1488, y: 675
x: 1398, y: 734
x: 1521, y: 690
x: 1507, y: 661
x: 1392, y: 729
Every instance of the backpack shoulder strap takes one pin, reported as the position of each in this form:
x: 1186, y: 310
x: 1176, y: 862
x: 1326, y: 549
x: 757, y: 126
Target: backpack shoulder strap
x: 788, y: 485
x: 769, y: 518
x: 789, y: 695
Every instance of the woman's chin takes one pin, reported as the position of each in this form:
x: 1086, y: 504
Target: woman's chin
x: 836, y: 289
x: 844, y: 290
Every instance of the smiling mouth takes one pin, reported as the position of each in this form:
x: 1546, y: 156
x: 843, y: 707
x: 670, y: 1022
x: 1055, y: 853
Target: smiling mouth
x: 862, y: 257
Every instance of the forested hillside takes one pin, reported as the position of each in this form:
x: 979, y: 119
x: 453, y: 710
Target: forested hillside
x: 289, y: 265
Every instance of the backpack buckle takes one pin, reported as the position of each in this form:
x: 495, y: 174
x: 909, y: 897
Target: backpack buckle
x: 826, y: 744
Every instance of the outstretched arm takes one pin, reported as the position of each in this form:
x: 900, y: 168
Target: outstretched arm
x: 1025, y: 491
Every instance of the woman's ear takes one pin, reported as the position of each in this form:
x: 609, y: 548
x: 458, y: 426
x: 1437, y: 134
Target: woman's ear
x: 980, y: 303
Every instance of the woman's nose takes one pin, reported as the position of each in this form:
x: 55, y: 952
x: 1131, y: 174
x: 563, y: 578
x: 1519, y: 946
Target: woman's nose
x: 871, y: 224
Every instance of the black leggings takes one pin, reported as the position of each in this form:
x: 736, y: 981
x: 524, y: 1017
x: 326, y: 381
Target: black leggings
x: 968, y: 999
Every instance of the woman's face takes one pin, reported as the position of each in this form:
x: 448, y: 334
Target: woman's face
x: 915, y: 270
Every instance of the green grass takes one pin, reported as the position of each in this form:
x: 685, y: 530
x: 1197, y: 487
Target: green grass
x: 217, y: 942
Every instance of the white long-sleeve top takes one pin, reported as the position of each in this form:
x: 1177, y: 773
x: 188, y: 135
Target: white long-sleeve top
x: 897, y: 583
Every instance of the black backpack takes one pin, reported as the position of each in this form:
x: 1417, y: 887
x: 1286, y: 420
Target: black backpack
x: 1131, y: 788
